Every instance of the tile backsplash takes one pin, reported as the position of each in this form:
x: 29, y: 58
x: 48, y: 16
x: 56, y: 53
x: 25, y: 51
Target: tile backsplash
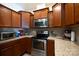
x: 52, y: 31
x: 57, y: 31
x: 9, y: 29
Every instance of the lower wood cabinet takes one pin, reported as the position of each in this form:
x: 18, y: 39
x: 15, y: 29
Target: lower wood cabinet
x: 7, y: 51
x: 16, y: 47
x: 29, y: 45
x: 50, y: 48
x: 17, y: 50
x: 26, y: 45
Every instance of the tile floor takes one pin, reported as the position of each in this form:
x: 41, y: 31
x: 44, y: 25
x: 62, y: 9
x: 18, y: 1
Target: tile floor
x: 36, y: 53
x: 26, y: 54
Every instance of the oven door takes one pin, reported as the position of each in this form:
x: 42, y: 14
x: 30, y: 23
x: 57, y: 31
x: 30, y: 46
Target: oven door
x: 39, y: 47
x: 37, y: 44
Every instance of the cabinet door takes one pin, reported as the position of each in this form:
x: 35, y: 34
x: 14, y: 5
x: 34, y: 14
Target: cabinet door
x: 29, y: 45
x: 16, y: 22
x: 25, y: 19
x: 57, y: 15
x: 7, y: 51
x: 37, y: 15
x: 76, y: 12
x: 17, y: 50
x: 23, y: 44
x: 50, y: 19
x: 44, y: 13
x: 50, y: 48
x: 31, y: 21
x: 69, y: 14
x: 5, y: 17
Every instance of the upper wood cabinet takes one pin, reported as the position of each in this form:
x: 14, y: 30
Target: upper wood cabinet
x: 16, y: 19
x: 57, y: 15
x: 69, y: 14
x: 9, y: 17
x: 42, y: 13
x: 5, y: 16
x: 76, y: 13
x: 50, y: 18
x: 26, y: 17
x: 31, y: 23
x: 63, y: 14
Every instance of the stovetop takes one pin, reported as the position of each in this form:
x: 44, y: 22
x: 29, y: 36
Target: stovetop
x: 41, y: 38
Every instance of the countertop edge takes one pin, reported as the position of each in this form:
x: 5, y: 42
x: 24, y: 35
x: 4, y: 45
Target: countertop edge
x: 15, y: 39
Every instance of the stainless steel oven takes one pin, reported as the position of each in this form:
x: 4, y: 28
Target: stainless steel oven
x: 39, y: 47
x: 40, y: 43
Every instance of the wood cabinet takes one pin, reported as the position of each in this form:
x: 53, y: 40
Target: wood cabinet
x: 42, y: 13
x: 16, y: 47
x: 9, y: 17
x: 63, y: 14
x: 76, y: 13
x: 26, y: 45
x: 50, y: 48
x: 50, y: 18
x: 26, y: 19
x: 32, y: 22
x: 16, y: 21
x: 58, y: 13
x: 5, y: 17
x: 23, y: 44
x: 29, y: 45
x: 37, y: 15
x: 69, y: 14
x: 7, y: 51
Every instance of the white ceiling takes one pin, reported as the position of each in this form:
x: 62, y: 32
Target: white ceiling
x: 33, y: 6
x: 26, y: 6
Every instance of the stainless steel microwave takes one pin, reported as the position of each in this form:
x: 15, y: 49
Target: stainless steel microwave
x: 41, y: 22
x: 6, y: 35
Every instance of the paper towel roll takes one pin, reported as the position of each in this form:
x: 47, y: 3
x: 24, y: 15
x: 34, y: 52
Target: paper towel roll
x: 72, y: 36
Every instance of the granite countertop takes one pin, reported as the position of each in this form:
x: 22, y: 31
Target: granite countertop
x: 54, y: 38
x: 65, y: 47
x: 28, y: 36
